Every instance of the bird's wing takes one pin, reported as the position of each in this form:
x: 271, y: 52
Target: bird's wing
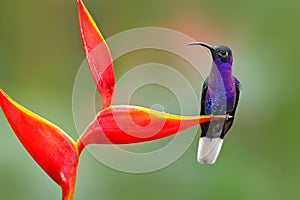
x: 204, y: 126
x: 204, y: 90
x: 229, y: 121
x: 238, y: 87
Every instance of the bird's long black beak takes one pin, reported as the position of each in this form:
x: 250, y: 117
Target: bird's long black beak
x: 211, y: 48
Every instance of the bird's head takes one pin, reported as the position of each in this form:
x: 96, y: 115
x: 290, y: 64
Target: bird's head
x: 220, y: 54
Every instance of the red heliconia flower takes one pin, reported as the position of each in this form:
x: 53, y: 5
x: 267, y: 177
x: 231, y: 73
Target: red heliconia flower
x: 49, y: 146
x: 56, y: 152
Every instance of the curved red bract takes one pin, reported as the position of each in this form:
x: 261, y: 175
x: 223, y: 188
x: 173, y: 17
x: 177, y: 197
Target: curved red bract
x: 97, y: 55
x: 48, y: 145
x: 127, y: 124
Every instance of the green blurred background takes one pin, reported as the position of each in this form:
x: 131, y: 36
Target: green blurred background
x: 40, y: 53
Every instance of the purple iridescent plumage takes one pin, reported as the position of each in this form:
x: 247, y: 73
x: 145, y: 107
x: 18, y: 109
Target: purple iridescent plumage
x: 220, y: 88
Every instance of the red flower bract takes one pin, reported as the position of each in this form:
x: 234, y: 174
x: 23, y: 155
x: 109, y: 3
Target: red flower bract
x: 49, y: 146
x: 126, y: 124
x: 97, y: 55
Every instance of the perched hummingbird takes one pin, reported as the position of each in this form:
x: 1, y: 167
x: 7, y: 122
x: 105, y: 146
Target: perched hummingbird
x: 220, y: 96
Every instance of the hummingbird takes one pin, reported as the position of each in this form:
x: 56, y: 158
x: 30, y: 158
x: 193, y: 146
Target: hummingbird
x: 220, y: 96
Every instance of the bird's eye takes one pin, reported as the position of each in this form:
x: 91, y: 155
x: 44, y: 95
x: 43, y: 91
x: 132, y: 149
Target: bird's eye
x: 223, y: 54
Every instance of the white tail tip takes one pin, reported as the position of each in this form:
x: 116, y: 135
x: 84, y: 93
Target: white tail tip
x: 209, y: 149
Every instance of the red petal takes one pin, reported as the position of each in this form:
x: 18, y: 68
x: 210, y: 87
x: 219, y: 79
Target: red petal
x: 133, y: 124
x: 97, y: 54
x: 49, y: 146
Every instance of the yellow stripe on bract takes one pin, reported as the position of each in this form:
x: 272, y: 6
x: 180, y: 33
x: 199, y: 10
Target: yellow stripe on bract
x: 92, y: 21
x: 35, y: 116
x: 162, y: 114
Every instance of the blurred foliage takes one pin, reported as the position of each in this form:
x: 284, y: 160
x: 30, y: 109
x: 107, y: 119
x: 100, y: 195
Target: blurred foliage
x: 40, y: 53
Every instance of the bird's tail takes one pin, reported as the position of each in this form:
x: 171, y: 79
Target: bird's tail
x: 209, y: 149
